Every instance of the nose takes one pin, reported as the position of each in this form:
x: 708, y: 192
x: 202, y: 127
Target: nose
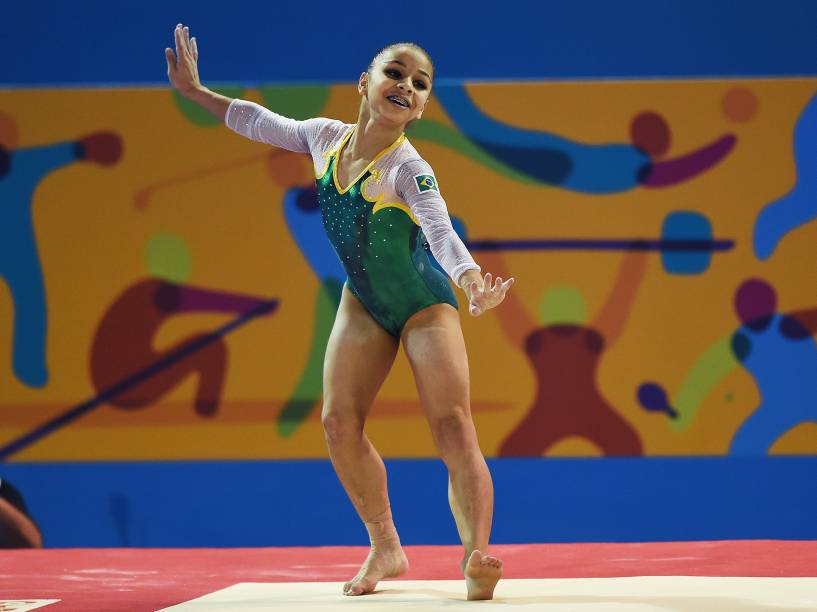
x: 404, y: 85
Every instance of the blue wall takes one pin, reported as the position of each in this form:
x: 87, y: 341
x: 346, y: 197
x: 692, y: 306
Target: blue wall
x: 287, y: 503
x: 88, y: 42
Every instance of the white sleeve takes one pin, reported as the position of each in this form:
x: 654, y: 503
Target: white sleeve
x: 424, y: 199
x: 262, y: 125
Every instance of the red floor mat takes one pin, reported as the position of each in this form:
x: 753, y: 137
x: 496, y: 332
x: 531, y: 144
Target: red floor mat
x: 144, y: 580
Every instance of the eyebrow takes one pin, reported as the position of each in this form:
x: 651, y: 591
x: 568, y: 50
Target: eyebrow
x: 397, y: 61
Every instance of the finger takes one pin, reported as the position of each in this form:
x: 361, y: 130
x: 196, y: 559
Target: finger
x: 182, y: 48
x: 497, y: 283
x: 195, y: 48
x: 487, y: 282
x: 177, y: 33
x: 504, y: 289
x: 187, y: 37
x: 171, y: 59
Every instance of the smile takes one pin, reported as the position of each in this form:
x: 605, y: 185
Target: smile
x: 398, y: 101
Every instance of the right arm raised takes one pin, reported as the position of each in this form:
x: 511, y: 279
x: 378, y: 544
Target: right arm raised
x: 183, y: 72
x: 247, y: 118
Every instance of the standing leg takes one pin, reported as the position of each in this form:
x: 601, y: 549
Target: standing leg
x: 434, y: 345
x: 359, y: 355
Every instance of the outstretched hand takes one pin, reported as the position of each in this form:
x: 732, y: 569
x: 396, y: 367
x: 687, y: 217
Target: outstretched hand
x: 487, y: 295
x: 182, y: 67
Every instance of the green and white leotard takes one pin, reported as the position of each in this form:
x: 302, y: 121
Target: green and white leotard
x: 382, y: 224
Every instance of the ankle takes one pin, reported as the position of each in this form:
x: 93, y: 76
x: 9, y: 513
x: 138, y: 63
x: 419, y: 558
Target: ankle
x: 382, y: 532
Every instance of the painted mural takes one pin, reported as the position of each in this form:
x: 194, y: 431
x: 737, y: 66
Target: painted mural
x: 168, y: 289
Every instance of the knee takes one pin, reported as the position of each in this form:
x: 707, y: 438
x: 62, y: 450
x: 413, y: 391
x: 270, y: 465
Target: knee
x: 453, y: 432
x: 340, y: 426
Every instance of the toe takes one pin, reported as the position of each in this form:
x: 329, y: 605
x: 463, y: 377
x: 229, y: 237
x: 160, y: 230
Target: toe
x: 476, y: 559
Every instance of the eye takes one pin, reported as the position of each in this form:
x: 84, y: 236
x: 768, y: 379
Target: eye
x: 393, y: 73
x: 420, y: 85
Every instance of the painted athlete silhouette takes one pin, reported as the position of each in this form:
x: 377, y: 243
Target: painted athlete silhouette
x: 21, y: 171
x: 564, y: 354
x: 124, y: 340
x: 780, y: 353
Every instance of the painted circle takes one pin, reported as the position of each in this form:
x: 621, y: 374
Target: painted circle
x: 562, y: 305
x: 739, y: 104
x: 650, y: 133
x: 168, y: 257
x: 8, y: 131
x: 755, y: 299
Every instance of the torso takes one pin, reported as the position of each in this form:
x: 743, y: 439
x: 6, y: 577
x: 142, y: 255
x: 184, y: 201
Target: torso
x: 381, y: 248
x: 349, y: 168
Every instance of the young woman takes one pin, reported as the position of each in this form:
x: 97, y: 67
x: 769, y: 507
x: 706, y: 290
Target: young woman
x: 382, y: 211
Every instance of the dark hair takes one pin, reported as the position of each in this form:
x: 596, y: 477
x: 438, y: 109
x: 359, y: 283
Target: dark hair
x: 414, y: 46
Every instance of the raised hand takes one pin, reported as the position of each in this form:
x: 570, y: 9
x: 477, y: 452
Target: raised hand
x: 481, y: 298
x: 182, y: 67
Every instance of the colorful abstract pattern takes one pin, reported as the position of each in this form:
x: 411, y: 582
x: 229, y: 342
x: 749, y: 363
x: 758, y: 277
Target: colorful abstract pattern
x: 173, y: 298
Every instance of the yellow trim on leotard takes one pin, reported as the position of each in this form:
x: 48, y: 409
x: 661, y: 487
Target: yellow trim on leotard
x: 327, y: 156
x: 400, y: 205
x: 378, y: 203
x: 339, y: 149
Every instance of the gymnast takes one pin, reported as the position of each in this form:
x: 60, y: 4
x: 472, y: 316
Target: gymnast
x: 383, y: 212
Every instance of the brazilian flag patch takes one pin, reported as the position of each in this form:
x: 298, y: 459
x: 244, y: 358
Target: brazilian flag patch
x: 426, y: 182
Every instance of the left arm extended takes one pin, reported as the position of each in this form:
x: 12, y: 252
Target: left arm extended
x: 418, y: 187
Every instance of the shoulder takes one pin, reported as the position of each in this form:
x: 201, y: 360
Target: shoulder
x: 322, y: 126
x: 413, y: 174
x: 409, y: 159
x: 407, y: 164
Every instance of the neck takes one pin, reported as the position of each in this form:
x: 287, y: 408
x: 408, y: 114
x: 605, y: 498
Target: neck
x: 371, y: 137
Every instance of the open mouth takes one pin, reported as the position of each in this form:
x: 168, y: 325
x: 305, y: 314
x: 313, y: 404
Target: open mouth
x: 398, y: 101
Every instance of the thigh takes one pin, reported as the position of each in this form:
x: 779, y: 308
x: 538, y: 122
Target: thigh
x: 435, y: 347
x: 359, y: 355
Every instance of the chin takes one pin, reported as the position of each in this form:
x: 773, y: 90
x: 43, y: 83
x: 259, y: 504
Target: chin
x: 395, y: 119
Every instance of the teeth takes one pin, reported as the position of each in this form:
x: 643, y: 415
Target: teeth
x: 399, y: 100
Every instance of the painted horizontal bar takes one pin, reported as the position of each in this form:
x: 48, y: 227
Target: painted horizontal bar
x: 635, y: 244
x: 290, y: 503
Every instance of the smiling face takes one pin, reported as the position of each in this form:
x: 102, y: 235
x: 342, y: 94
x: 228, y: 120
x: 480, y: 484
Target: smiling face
x: 397, y: 85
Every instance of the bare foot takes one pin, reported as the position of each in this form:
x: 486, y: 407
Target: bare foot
x: 382, y: 562
x: 481, y: 575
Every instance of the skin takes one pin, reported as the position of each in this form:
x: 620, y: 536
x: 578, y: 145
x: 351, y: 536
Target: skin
x: 20, y: 531
x: 360, y: 353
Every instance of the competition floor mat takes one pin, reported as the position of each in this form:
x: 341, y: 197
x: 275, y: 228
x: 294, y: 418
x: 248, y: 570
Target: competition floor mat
x: 721, y: 576
x: 644, y: 594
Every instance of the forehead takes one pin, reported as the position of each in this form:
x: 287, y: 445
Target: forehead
x: 410, y: 57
